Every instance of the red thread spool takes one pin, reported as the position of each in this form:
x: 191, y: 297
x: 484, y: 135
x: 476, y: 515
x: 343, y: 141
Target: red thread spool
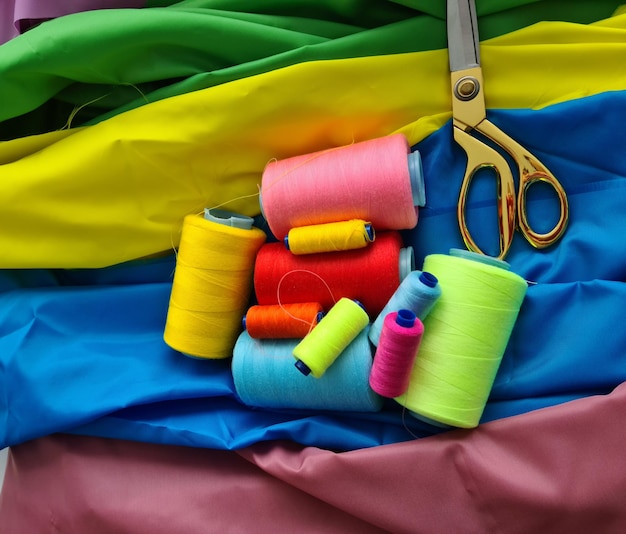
x: 399, y: 342
x: 370, y: 275
x: 282, y: 321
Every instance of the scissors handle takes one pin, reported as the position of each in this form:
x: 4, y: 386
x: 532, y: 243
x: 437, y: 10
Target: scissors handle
x: 534, y: 238
x: 531, y: 171
x: 480, y: 156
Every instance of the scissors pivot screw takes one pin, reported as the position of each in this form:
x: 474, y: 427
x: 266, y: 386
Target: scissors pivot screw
x: 466, y: 88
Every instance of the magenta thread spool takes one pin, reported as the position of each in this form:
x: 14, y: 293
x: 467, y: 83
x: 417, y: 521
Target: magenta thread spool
x: 397, y: 348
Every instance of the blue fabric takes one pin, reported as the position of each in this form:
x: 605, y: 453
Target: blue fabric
x: 82, y: 351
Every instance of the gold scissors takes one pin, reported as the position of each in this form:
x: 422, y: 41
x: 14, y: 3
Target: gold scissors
x: 469, y: 115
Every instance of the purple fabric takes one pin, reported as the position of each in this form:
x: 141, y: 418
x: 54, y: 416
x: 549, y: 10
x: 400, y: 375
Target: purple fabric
x: 557, y: 470
x: 8, y: 29
x: 17, y: 16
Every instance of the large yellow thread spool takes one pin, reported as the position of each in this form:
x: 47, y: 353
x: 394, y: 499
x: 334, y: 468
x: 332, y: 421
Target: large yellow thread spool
x: 330, y: 237
x: 212, y: 283
x: 465, y: 337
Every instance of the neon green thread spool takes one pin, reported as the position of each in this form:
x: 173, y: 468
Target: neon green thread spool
x: 323, y: 345
x: 465, y: 337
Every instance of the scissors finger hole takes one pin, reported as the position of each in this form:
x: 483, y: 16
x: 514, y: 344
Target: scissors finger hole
x: 540, y: 208
x: 481, y: 210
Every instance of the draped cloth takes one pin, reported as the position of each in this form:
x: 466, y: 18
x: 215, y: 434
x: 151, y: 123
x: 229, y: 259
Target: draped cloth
x: 91, y: 214
x: 19, y: 16
x: 117, y: 191
x: 542, y: 472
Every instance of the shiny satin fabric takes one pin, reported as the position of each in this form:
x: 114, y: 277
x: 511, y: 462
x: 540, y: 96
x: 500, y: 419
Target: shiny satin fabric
x: 555, y: 470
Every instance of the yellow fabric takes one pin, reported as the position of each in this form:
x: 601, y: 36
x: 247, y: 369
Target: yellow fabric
x: 119, y: 190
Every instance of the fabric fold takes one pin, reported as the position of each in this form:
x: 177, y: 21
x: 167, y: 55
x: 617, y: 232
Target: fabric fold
x: 515, y: 475
x: 118, y: 190
x: 60, y: 55
x: 552, y: 471
x: 99, y: 331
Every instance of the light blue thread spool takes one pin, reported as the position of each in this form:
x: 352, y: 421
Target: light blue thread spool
x: 417, y: 292
x: 265, y: 377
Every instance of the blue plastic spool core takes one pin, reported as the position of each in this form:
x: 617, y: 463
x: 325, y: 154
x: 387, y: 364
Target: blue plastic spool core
x: 416, y: 173
x: 406, y: 318
x: 428, y: 279
x: 303, y: 367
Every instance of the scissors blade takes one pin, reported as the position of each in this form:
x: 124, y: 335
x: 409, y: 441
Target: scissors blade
x: 462, y: 27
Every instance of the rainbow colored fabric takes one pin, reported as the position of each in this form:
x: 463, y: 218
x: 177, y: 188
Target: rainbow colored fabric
x: 90, y: 213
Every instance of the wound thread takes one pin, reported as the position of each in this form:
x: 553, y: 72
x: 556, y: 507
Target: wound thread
x: 282, y: 321
x: 378, y: 180
x: 330, y: 237
x: 323, y: 345
x: 212, y: 286
x: 394, y: 358
x: 465, y: 336
x: 265, y: 376
x: 369, y: 275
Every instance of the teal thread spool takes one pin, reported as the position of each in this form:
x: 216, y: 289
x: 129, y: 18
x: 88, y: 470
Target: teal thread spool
x: 465, y: 337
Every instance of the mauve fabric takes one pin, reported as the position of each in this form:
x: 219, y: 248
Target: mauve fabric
x: 18, y: 16
x: 81, y: 485
x: 7, y: 26
x: 555, y: 470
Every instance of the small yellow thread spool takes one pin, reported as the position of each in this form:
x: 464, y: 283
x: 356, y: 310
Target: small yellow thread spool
x: 330, y: 237
x: 323, y: 345
x: 212, y: 284
x: 465, y: 337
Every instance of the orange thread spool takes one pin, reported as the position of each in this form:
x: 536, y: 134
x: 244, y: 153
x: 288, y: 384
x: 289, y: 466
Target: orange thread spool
x: 282, y: 321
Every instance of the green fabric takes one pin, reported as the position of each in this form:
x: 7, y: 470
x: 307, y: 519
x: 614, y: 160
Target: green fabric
x: 83, y: 68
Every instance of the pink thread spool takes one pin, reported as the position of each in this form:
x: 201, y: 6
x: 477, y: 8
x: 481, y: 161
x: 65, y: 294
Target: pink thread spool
x: 379, y: 180
x: 397, y: 348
